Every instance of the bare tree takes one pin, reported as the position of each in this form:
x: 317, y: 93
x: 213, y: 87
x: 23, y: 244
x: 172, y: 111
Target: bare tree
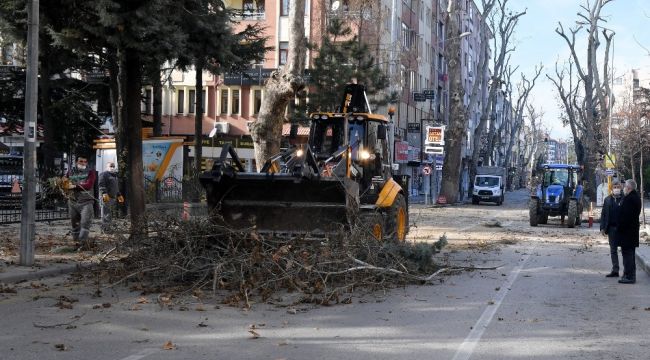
x: 594, y: 105
x: 280, y: 89
x: 633, y: 134
x: 503, y: 22
x: 524, y: 87
x: 530, y: 148
x: 458, y: 112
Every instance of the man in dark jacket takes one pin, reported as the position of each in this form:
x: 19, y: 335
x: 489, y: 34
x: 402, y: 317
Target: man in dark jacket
x: 608, y: 225
x: 627, y: 231
x: 81, y: 200
x: 109, y: 194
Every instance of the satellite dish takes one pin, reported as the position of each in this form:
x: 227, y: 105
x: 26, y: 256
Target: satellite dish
x: 335, y: 5
x: 213, y: 132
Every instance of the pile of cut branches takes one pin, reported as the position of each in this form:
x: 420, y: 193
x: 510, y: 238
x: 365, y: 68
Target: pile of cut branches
x: 199, y: 254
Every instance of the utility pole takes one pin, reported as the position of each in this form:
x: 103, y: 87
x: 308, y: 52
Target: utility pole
x: 30, y: 130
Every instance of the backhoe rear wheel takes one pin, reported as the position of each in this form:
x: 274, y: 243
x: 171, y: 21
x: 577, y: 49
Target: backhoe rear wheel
x: 397, y: 220
x: 532, y: 212
x: 572, y: 213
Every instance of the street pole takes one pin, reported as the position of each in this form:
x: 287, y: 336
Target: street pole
x: 609, y: 125
x: 28, y: 208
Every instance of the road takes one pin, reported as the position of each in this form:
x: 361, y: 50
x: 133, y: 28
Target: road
x: 548, y: 298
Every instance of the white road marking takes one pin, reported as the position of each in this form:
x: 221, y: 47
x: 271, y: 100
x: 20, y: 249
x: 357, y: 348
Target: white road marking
x: 142, y: 354
x: 467, y: 347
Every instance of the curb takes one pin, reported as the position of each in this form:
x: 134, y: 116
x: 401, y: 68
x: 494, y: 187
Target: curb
x: 19, y: 274
x: 643, y: 260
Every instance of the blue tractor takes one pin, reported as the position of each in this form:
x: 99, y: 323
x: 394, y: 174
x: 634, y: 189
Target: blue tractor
x: 559, y: 194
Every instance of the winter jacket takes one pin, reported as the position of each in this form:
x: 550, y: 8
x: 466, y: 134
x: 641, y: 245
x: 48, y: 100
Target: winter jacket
x: 108, y: 184
x: 85, y: 181
x: 627, y: 232
x: 609, y: 216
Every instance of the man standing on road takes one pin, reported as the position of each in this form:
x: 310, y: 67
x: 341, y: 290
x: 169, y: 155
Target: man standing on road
x: 608, y: 225
x: 627, y: 231
x: 109, y: 193
x: 80, y: 201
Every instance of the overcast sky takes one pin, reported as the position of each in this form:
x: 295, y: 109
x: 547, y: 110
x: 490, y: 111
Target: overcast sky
x: 537, y: 42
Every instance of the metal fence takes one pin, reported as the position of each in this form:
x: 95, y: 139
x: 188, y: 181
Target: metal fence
x: 14, y: 215
x: 169, y: 189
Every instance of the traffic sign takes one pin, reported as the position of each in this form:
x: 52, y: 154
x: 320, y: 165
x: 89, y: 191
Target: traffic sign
x: 413, y: 127
x: 438, y: 167
x: 419, y: 97
x: 438, y: 150
x: 429, y: 94
x: 426, y: 170
x: 610, y: 172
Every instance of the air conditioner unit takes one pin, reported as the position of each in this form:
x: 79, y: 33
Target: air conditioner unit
x: 222, y: 127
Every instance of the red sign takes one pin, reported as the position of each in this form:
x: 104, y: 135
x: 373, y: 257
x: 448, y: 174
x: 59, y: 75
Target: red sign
x: 442, y: 200
x: 401, y: 152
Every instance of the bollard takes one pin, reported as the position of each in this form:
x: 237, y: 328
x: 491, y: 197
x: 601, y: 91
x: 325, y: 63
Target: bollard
x: 591, y: 214
x: 186, y: 211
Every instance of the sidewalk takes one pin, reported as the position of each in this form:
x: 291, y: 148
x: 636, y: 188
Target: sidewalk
x: 14, y: 273
x: 643, y: 257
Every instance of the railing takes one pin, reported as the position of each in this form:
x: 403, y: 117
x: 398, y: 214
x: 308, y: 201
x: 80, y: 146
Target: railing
x: 169, y: 189
x: 14, y: 215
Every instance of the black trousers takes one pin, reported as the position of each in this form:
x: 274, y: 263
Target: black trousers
x: 629, y: 263
x: 613, y: 249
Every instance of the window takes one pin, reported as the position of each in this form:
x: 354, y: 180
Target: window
x: 283, y: 52
x: 181, y: 101
x: 257, y: 101
x: 203, y: 101
x: 284, y: 7
x: 224, y: 101
x: 248, y: 7
x: 192, y: 101
x: 235, y: 102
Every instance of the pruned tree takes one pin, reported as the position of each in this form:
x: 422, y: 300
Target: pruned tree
x: 458, y: 111
x: 280, y: 89
x: 533, y: 138
x: 503, y: 23
x: 594, y: 106
x: 524, y: 88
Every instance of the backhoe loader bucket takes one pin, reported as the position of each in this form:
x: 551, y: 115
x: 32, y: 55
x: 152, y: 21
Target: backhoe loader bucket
x: 282, y: 203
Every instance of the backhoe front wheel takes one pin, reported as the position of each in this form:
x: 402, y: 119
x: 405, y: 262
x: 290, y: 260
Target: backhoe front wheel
x: 397, y: 221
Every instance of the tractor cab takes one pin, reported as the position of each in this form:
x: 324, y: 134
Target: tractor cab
x: 559, y: 194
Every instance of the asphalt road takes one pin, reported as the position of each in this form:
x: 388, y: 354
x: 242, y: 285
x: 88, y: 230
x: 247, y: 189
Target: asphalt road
x: 548, y: 298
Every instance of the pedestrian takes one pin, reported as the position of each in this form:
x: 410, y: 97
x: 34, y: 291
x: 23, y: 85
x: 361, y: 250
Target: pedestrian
x: 110, y: 194
x: 608, y: 225
x: 627, y: 230
x: 81, y: 200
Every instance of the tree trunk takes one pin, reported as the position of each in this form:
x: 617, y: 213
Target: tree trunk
x: 198, y: 130
x: 117, y: 92
x: 641, y: 188
x: 134, y: 142
x: 157, y: 101
x: 455, y: 133
x: 280, y: 89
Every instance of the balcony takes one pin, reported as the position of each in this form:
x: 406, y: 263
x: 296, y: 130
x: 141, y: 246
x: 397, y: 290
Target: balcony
x: 247, y: 10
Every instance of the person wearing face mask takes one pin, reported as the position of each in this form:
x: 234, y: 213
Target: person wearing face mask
x: 81, y: 200
x: 627, y: 232
x: 608, y: 223
x: 109, y: 194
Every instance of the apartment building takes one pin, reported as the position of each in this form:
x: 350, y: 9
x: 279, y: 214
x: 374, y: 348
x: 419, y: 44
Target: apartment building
x: 406, y: 38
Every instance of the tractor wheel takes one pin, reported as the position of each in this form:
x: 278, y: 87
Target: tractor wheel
x: 572, y: 213
x: 532, y: 212
x: 542, y: 218
x: 397, y: 222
